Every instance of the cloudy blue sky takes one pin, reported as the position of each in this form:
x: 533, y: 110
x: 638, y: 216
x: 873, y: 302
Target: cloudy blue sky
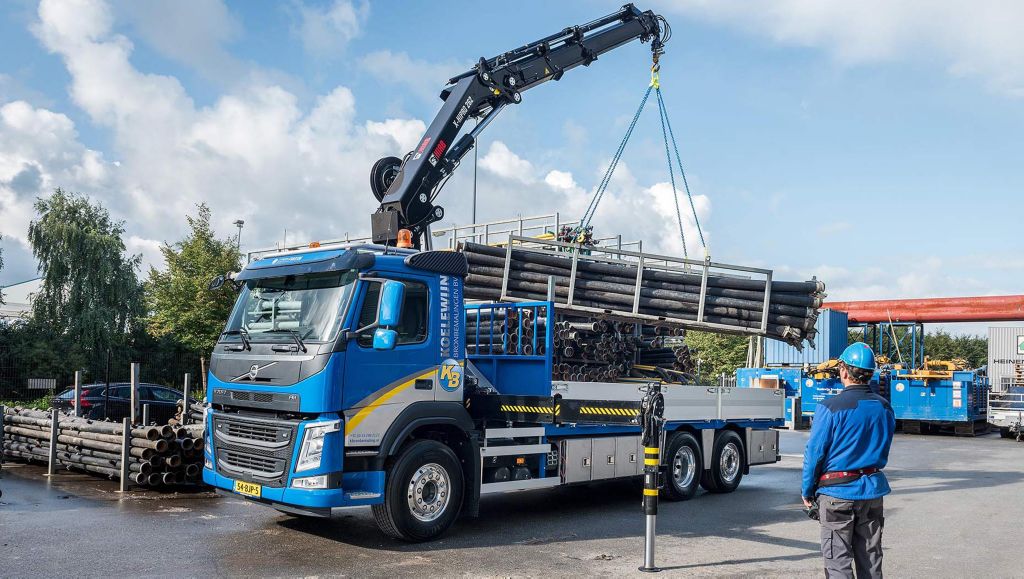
x: 874, y: 144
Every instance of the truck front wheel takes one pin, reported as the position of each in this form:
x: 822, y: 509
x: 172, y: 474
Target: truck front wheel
x: 423, y: 492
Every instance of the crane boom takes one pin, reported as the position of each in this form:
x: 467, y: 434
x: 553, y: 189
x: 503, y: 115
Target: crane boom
x: 406, y: 188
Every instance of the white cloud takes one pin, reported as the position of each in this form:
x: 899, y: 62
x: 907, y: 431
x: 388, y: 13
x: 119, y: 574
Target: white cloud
x: 905, y: 277
x: 325, y: 31
x: 978, y: 39
x: 254, y: 154
x: 192, y: 32
x: 425, y: 78
x: 637, y: 211
x: 501, y: 161
x: 39, y: 150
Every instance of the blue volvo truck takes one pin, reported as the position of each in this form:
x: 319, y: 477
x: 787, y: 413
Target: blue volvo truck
x: 342, y: 380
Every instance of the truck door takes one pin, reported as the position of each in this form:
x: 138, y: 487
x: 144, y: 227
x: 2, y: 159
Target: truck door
x: 379, y: 384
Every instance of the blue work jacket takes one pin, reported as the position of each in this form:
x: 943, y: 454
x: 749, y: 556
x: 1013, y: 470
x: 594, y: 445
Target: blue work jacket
x: 852, y: 430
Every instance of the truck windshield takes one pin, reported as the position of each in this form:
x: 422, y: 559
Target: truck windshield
x: 271, y: 309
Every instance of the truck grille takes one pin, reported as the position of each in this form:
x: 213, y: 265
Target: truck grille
x: 268, y: 467
x: 253, y: 431
x: 253, y: 449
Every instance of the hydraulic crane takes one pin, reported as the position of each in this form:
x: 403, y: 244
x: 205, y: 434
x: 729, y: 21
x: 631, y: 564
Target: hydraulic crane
x: 406, y: 188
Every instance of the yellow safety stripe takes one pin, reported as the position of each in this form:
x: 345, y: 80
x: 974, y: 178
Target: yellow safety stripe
x: 362, y: 414
x: 650, y: 492
x: 651, y: 449
x: 605, y: 410
x: 524, y: 409
x: 651, y: 461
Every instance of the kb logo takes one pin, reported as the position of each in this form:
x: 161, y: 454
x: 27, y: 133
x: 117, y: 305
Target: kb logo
x: 450, y: 375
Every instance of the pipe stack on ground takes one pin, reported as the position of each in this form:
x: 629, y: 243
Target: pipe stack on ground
x: 159, y: 455
x: 196, y: 413
x: 730, y: 301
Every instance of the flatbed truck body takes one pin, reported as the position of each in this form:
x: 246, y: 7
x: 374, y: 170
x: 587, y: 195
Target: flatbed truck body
x: 342, y: 380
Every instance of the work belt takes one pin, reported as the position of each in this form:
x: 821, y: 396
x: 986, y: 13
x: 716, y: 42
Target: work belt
x: 840, y: 477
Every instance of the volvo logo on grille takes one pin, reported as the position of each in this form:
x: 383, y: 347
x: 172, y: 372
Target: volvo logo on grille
x: 253, y: 373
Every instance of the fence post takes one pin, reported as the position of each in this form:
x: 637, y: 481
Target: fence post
x: 51, y: 467
x: 145, y: 414
x: 135, y: 393
x: 186, y: 408
x: 126, y: 444
x: 78, y: 392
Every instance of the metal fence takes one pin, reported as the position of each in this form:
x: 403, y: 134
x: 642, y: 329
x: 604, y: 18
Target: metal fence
x: 25, y: 379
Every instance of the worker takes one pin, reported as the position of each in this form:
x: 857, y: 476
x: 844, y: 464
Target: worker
x: 843, y: 462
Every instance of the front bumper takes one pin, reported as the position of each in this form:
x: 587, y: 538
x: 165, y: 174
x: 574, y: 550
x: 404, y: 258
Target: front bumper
x: 357, y: 489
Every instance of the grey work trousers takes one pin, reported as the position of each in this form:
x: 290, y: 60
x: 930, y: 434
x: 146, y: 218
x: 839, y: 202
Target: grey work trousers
x: 851, y: 536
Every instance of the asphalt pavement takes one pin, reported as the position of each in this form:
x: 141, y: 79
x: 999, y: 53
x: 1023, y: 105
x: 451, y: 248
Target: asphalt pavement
x: 956, y: 511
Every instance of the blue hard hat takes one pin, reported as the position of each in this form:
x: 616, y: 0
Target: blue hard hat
x: 858, y: 355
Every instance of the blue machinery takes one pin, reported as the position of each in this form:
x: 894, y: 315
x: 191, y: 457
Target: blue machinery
x: 924, y: 394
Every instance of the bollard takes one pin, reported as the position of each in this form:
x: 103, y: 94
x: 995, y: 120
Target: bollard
x: 652, y: 410
x: 126, y: 445
x: 135, y: 393
x: 51, y: 466
x: 78, y: 392
x: 145, y: 414
x: 186, y: 409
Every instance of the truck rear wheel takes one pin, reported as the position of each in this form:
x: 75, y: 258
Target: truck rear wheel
x: 1004, y: 432
x: 726, y: 464
x: 423, y: 492
x: 684, y: 467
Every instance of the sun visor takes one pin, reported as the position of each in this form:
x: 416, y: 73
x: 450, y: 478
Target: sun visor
x: 305, y: 263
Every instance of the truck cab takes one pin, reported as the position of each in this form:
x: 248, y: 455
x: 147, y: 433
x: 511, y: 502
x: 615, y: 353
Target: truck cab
x: 329, y: 358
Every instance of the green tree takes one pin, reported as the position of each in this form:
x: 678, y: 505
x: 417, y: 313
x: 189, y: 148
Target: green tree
x: 717, y: 353
x: 941, y: 345
x: 90, y: 295
x: 179, y: 303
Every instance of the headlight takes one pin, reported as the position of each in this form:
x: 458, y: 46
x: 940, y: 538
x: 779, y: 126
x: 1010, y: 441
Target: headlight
x: 310, y: 482
x: 313, y: 444
x: 208, y: 463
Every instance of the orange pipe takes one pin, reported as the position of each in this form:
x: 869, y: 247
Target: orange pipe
x: 935, y: 310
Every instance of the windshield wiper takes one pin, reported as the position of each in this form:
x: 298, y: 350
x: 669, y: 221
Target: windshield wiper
x: 242, y: 334
x: 293, y: 333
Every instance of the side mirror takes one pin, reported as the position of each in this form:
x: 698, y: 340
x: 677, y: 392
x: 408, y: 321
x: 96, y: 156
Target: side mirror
x: 216, y: 283
x: 384, y: 339
x: 389, y: 312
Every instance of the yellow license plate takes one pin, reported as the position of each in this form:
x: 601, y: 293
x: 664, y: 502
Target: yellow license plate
x: 248, y: 489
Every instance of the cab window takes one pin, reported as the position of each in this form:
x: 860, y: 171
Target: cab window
x: 412, y: 327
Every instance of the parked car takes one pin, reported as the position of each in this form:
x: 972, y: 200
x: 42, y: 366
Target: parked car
x: 162, y: 401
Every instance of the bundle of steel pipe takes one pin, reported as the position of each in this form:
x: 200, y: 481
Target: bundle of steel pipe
x: 158, y: 455
x: 584, y: 349
x: 731, y: 302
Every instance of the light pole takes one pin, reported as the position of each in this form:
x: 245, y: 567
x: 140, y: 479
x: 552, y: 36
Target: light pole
x: 238, y: 240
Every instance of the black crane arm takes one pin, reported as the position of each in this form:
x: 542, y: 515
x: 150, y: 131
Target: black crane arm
x: 406, y: 188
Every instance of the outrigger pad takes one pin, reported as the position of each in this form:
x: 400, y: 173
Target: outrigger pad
x: 597, y: 412
x: 538, y: 409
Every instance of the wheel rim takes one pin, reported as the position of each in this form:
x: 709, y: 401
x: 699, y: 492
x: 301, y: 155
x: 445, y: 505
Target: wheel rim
x: 429, y: 492
x: 684, y: 467
x: 729, y: 463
